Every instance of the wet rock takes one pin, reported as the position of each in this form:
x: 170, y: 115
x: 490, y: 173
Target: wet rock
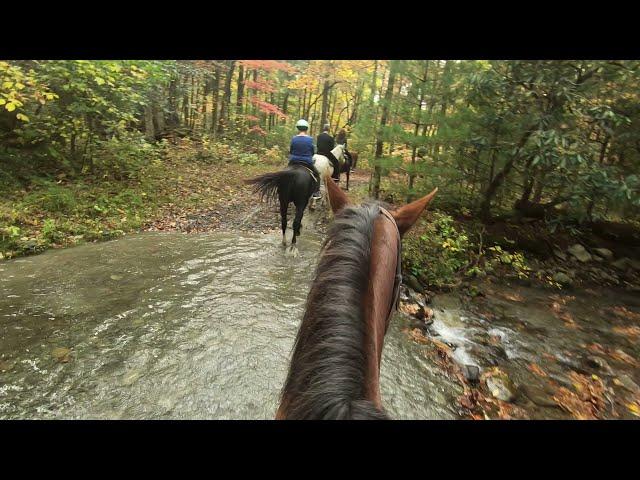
x: 415, y: 297
x: 423, y: 279
x: 563, y: 279
x: 560, y: 255
x: 579, y: 252
x: 621, y: 263
x: 471, y: 373
x: 413, y: 282
x: 497, y: 351
x: 603, y: 253
x: 633, y: 288
x: 501, y: 388
x: 573, y: 365
x: 627, y: 383
x: 596, y: 362
x: 635, y: 264
x: 538, y: 396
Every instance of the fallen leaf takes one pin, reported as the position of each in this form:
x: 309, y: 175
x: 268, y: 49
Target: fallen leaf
x: 535, y: 368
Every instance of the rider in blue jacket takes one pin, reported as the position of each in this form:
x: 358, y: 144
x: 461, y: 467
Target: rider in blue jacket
x: 302, y: 150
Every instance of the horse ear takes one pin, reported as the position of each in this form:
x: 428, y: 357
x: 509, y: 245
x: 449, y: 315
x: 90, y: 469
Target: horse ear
x: 406, y: 216
x: 337, y: 198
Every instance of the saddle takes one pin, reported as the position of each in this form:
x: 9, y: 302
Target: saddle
x: 299, y: 165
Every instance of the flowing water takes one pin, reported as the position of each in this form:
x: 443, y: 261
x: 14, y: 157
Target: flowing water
x: 174, y: 326
x: 201, y: 326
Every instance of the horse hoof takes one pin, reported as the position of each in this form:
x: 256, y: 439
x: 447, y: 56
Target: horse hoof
x: 293, y: 250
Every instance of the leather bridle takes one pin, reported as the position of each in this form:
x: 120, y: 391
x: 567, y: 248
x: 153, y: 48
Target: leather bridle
x: 398, y: 277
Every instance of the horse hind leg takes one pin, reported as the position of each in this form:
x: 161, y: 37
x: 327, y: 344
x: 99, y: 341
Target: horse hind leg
x: 297, y: 226
x: 283, y: 220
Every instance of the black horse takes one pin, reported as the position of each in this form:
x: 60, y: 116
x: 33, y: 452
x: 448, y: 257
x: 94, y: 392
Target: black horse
x: 293, y: 184
x: 349, y: 164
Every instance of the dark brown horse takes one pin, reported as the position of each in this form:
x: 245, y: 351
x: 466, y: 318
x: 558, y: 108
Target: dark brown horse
x: 349, y: 164
x: 335, y: 366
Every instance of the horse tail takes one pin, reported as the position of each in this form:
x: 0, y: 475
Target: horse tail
x: 270, y: 184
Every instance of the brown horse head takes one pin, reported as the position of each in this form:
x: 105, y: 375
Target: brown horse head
x: 335, y: 367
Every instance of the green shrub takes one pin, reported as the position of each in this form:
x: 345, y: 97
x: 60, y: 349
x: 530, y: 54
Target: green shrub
x: 438, y: 252
x: 51, y: 197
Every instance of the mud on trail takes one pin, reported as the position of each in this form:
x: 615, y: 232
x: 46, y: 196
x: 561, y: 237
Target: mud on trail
x: 240, y: 209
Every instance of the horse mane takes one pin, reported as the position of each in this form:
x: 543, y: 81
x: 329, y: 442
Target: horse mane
x: 326, y: 379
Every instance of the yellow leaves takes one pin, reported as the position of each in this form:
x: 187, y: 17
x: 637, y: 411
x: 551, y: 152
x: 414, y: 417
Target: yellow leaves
x: 7, y: 85
x: 99, y: 80
x: 10, y: 106
x: 634, y: 408
x: 23, y: 117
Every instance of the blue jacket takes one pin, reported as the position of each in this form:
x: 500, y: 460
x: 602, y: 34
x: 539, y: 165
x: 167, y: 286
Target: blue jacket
x: 302, y: 149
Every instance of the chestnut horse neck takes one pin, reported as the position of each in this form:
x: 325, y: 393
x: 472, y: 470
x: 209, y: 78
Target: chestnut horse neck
x: 335, y: 366
x: 382, y: 295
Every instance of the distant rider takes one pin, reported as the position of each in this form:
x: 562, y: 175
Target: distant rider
x: 341, y: 139
x: 326, y: 143
x: 302, y: 151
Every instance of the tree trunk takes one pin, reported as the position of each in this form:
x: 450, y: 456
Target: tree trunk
x: 215, y: 86
x: 325, y: 104
x: 383, y: 121
x: 226, y: 98
x: 240, y: 94
x: 418, y: 121
x: 149, y: 131
x: 496, y: 182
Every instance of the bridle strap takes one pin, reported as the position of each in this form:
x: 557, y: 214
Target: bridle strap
x: 398, y: 277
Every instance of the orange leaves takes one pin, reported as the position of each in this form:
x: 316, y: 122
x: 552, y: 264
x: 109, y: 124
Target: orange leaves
x: 260, y: 85
x: 621, y: 356
x: 267, y: 107
x: 625, y: 314
x: 409, y: 308
x: 268, y: 65
x: 587, y: 402
x: 535, y: 368
x: 633, y: 331
x: 417, y: 336
x: 559, y: 311
x: 596, y: 348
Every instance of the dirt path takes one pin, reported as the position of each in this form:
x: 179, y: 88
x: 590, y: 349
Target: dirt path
x: 242, y: 209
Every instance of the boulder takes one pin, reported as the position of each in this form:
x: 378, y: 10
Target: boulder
x: 560, y: 255
x: 603, y: 253
x: 501, y: 388
x: 413, y: 282
x: 579, y: 252
x: 563, y: 279
x: 621, y: 263
x: 538, y: 396
x: 627, y: 383
x: 471, y: 373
